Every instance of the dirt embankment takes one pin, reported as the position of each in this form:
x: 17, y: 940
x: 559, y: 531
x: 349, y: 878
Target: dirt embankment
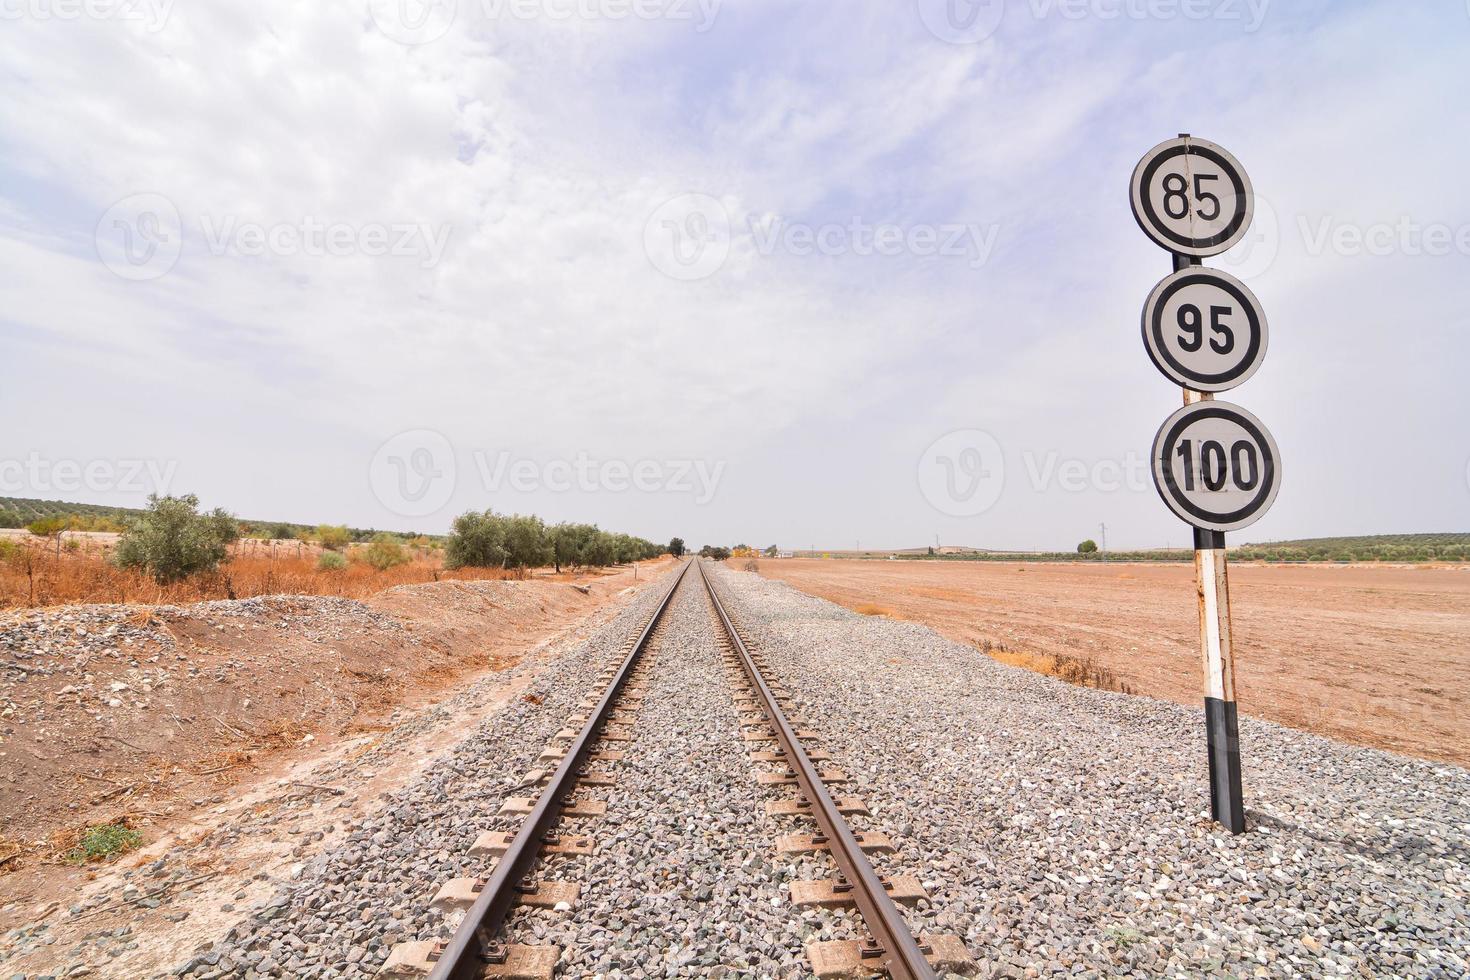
x: 1374, y: 655
x: 112, y: 711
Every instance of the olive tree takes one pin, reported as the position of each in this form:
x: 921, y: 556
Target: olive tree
x: 477, y: 541
x: 172, y: 540
x: 526, y: 542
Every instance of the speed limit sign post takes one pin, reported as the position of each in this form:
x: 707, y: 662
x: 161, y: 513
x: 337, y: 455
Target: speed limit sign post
x: 1215, y: 465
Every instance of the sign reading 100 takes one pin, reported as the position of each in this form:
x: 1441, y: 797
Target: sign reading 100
x: 1216, y: 465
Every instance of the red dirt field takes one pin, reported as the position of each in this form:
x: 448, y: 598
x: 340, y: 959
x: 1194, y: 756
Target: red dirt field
x: 1374, y: 655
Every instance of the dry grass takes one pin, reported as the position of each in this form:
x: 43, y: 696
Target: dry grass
x: 37, y: 576
x: 10, y: 852
x: 224, y: 762
x: 1082, y: 671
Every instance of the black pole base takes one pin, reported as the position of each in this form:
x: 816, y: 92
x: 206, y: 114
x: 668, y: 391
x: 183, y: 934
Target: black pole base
x: 1223, y: 737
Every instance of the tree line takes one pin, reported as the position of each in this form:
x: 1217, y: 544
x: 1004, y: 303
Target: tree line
x: 27, y: 512
x: 172, y: 539
x: 490, y: 540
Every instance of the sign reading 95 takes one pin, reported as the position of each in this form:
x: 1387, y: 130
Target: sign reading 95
x: 1192, y: 197
x: 1216, y: 466
x: 1204, y: 329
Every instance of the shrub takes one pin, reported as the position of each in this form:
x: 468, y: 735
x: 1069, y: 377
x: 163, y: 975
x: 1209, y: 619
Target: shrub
x: 333, y: 537
x: 280, y: 532
x: 9, y: 518
x: 383, y: 553
x: 48, y: 527
x: 330, y: 561
x: 104, y: 841
x: 172, y: 540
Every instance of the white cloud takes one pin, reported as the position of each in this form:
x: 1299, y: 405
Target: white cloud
x: 543, y: 146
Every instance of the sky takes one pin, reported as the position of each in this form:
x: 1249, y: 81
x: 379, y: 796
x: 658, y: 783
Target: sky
x: 756, y: 271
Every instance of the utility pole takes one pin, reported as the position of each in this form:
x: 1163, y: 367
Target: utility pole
x: 1104, y: 529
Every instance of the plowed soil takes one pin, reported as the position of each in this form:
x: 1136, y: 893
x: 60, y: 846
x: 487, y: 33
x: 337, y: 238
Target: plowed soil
x: 1374, y: 655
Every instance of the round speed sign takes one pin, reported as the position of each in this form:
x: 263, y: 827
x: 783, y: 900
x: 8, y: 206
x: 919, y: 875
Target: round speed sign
x: 1216, y: 466
x: 1204, y: 329
x: 1192, y: 197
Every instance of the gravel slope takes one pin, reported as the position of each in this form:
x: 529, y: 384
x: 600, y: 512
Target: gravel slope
x: 1066, y: 830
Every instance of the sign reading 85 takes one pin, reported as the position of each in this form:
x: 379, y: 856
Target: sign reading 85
x: 1192, y: 197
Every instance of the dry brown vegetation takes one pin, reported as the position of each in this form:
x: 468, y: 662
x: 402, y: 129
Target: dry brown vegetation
x: 10, y: 852
x: 36, y: 575
x: 1082, y: 671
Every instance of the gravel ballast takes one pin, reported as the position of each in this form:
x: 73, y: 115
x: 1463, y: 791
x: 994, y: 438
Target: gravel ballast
x: 683, y: 882
x: 1058, y: 830
x: 1066, y: 830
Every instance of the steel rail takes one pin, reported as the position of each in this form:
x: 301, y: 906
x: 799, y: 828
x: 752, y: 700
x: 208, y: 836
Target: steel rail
x: 466, y: 953
x: 905, y: 958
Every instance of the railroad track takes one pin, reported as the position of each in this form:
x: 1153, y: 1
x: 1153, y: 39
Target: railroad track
x: 583, y: 752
